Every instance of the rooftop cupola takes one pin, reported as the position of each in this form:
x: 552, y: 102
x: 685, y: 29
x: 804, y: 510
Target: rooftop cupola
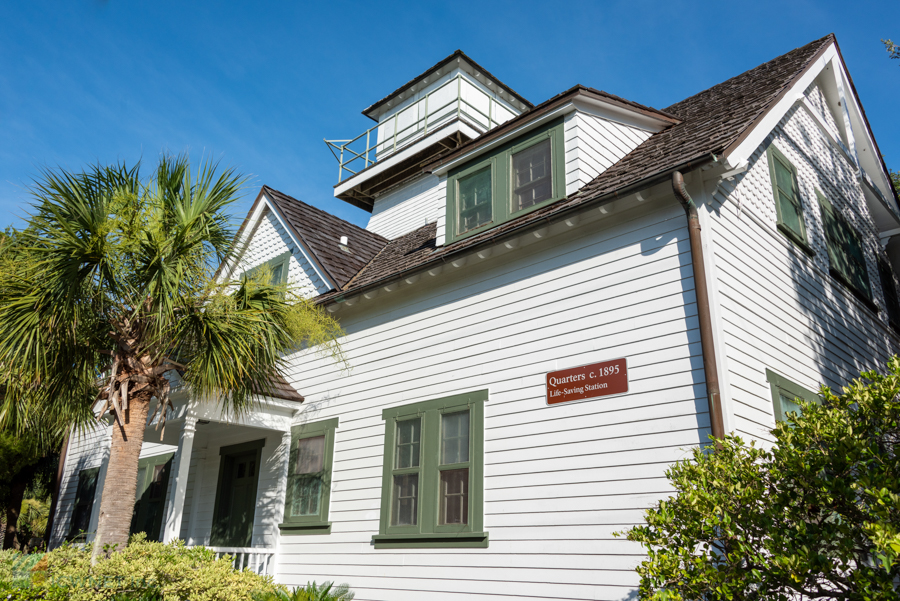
x: 454, y: 101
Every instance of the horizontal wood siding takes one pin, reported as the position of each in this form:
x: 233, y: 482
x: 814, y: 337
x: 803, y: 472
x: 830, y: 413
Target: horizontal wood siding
x: 88, y: 448
x: 593, y: 144
x: 410, y: 207
x: 781, y: 310
x: 559, y: 480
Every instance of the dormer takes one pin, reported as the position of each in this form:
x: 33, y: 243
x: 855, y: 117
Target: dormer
x: 453, y: 102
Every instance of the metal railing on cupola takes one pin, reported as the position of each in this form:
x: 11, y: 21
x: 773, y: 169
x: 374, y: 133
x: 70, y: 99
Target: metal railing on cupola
x: 366, y: 149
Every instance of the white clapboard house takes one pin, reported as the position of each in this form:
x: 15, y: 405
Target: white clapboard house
x: 533, y: 330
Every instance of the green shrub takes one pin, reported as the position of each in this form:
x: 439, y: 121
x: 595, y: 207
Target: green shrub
x: 143, y: 571
x: 15, y: 568
x: 311, y: 592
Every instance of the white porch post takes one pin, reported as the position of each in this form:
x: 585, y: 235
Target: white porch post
x: 182, y: 464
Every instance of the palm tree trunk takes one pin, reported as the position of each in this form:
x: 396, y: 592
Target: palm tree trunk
x: 117, y: 503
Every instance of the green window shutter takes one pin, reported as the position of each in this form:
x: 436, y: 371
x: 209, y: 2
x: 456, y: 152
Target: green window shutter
x: 788, y: 205
x: 80, y: 519
x: 308, y: 492
x: 845, y: 249
x: 433, y: 475
x: 889, y: 288
x: 278, y: 269
x: 785, y: 395
x: 520, y: 176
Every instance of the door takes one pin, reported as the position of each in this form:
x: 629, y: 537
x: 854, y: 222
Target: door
x: 236, y: 496
x: 150, y: 496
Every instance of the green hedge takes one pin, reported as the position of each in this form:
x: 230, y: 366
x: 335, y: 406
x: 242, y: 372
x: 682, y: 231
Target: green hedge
x: 143, y: 571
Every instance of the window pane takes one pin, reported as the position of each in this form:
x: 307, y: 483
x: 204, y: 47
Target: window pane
x: 156, y: 485
x: 532, y: 181
x: 787, y: 405
x: 790, y: 214
x: 277, y: 273
x: 408, y: 438
x: 310, y: 455
x: 784, y: 178
x: 474, y: 193
x: 455, y: 438
x: 406, y: 500
x: 455, y: 496
x: 306, y: 493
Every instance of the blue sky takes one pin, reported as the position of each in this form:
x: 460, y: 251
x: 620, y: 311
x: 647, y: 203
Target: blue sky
x: 258, y: 85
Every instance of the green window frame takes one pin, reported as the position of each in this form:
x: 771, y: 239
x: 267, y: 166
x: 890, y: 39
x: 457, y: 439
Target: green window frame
x: 466, y: 183
x: 788, y: 204
x: 784, y: 394
x: 889, y: 289
x: 308, y: 490
x: 846, y: 254
x: 278, y: 266
x: 80, y: 518
x: 432, y: 492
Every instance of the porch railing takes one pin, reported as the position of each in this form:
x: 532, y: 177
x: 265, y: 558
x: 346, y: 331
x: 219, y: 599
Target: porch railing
x: 259, y: 560
x: 389, y: 136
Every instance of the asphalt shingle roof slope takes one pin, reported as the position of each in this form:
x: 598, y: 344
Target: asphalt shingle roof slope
x: 711, y: 121
x: 321, y: 232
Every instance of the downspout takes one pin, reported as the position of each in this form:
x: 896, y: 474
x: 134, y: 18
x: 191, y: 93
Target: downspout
x: 707, y: 345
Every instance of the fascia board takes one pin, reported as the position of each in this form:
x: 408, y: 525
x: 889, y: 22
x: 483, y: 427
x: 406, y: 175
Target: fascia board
x: 618, y: 114
x: 860, y: 127
x: 301, y: 246
x: 741, y: 152
x: 524, y: 128
x: 231, y: 262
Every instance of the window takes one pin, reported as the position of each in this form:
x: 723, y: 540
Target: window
x: 309, y: 478
x: 845, y: 251
x: 278, y: 267
x: 788, y: 206
x: 532, y: 182
x: 150, y: 495
x: 80, y: 520
x: 891, y: 300
x: 474, y: 200
x: 785, y: 393
x: 433, y: 474
x: 517, y: 177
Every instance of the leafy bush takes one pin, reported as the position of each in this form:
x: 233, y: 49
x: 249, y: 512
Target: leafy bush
x: 15, y: 568
x: 143, y: 571
x: 311, y: 592
x: 817, y: 516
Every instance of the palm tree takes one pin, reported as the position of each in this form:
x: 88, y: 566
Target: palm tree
x: 118, y: 298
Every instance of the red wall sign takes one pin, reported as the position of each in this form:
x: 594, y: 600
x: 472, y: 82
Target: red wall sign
x: 587, y: 381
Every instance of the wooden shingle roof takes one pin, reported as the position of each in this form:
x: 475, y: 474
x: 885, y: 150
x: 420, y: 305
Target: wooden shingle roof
x: 321, y: 233
x: 710, y: 122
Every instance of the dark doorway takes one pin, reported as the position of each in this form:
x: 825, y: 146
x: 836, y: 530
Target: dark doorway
x: 236, y: 494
